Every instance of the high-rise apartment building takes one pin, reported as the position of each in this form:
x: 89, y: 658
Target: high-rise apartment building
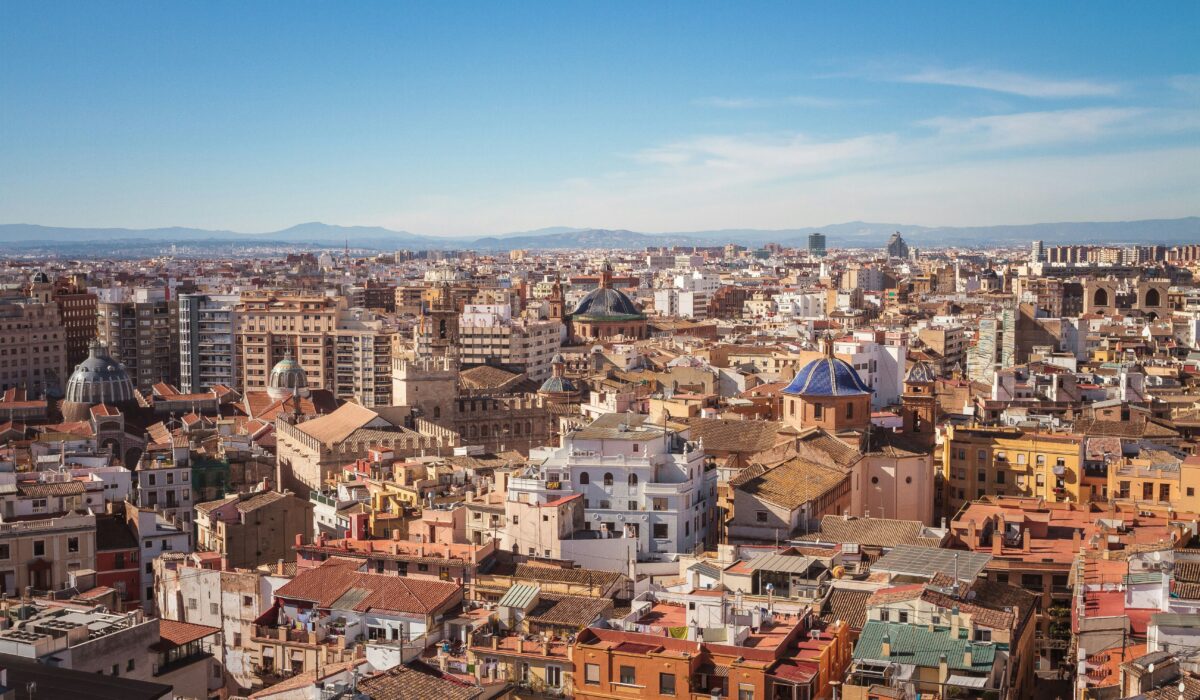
x: 274, y: 325
x: 363, y: 358
x: 816, y: 245
x: 347, y: 351
x: 208, y: 349
x: 488, y: 334
x: 32, y: 345
x: 996, y: 345
x: 77, y: 310
x: 141, y: 329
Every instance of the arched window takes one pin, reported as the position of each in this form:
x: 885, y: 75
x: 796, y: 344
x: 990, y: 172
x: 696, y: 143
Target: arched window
x: 608, y: 478
x: 1100, y: 298
x: 633, y: 479
x: 517, y: 428
x: 437, y: 411
x: 483, y: 431
x: 1152, y: 298
x: 584, y: 478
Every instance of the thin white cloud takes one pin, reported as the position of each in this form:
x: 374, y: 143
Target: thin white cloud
x: 1037, y: 128
x: 1012, y: 83
x: 1186, y: 83
x: 968, y: 170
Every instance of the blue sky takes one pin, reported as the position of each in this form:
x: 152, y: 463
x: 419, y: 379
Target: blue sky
x: 463, y: 118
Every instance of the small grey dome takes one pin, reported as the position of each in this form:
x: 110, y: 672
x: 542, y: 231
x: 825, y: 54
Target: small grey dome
x: 921, y: 372
x: 287, y: 378
x: 555, y: 385
x: 99, y: 379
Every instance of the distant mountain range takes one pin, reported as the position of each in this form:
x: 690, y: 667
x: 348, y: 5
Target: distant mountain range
x: 855, y: 234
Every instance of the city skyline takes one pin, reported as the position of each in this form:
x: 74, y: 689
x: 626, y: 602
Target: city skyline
x: 446, y: 121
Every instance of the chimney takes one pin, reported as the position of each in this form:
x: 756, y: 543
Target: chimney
x: 495, y: 642
x: 943, y: 669
x: 396, y: 534
x: 1025, y: 538
x: 954, y: 622
x: 545, y: 647
x: 997, y: 544
x: 886, y: 648
x: 279, y: 567
x: 1076, y: 540
x: 972, y: 534
x: 967, y: 655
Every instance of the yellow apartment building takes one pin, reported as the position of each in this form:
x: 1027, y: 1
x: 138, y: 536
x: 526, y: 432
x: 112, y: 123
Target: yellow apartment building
x: 979, y: 462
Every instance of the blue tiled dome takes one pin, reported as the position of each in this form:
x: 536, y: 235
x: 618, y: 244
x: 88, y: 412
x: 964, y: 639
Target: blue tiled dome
x: 827, y: 376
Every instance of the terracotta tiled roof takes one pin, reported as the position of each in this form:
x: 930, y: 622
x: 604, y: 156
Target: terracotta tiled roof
x: 737, y: 435
x: 176, y: 634
x: 403, y: 683
x: 534, y: 572
x: 51, y: 488
x: 879, y: 532
x: 849, y: 605
x: 791, y: 483
x: 488, y: 377
x: 328, y: 583
x: 337, y: 426
x: 570, y: 610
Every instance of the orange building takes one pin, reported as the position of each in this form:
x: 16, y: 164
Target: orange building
x: 778, y: 662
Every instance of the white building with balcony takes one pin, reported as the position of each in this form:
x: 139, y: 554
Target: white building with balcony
x: 639, y: 481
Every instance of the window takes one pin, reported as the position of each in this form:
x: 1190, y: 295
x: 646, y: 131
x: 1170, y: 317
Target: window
x: 116, y: 669
x: 4, y: 552
x: 981, y: 455
x: 982, y: 635
x: 130, y: 665
x: 628, y: 677
x: 554, y: 676
x: 608, y: 479
x: 1022, y: 459
x: 212, y: 608
x: 72, y: 544
x: 999, y: 477
x: 745, y: 691
x: 818, y: 411
x: 661, y: 531
x: 761, y: 516
x: 149, y: 567
x: 884, y: 615
x: 633, y: 478
x: 191, y: 604
x: 591, y: 674
x: 39, y: 548
x: 1147, y: 492
x: 904, y: 616
x: 666, y: 684
x: 849, y: 410
x: 1164, y: 492
x: 584, y: 478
